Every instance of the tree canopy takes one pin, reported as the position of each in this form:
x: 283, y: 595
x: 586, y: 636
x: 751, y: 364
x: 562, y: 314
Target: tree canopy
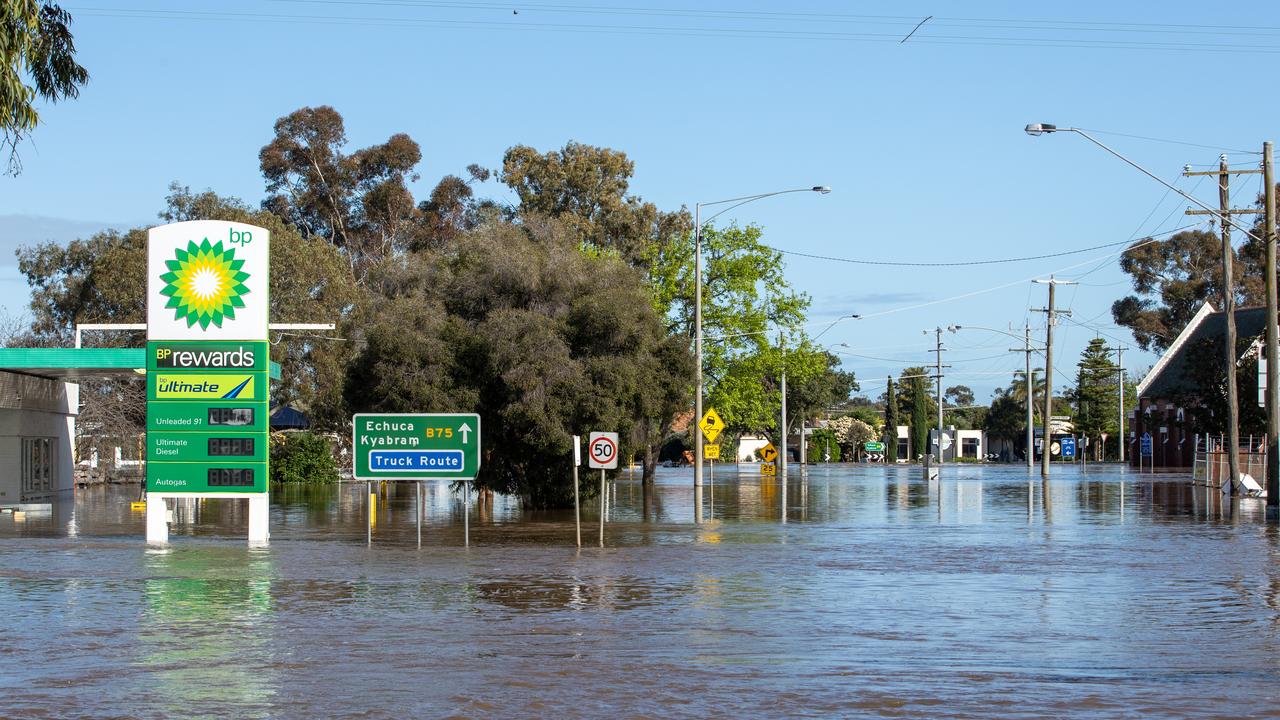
x: 568, y: 312
x: 541, y: 339
x: 37, y: 62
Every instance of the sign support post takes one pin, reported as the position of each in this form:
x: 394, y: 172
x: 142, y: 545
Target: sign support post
x: 412, y: 447
x: 602, y: 453
x: 577, y: 511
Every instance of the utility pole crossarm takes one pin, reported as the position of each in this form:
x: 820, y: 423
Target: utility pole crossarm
x: 1216, y: 172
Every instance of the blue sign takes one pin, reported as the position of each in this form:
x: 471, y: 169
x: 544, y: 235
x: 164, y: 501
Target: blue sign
x: 1068, y: 447
x: 441, y: 461
x: 1146, y: 445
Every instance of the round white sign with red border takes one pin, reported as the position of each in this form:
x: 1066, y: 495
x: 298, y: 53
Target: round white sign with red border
x: 602, y: 450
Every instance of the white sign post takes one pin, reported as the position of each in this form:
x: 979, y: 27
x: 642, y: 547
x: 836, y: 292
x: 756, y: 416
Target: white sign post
x: 577, y: 513
x: 602, y: 453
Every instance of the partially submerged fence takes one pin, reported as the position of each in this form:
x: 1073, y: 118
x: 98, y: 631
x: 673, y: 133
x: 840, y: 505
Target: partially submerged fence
x: 1210, y: 465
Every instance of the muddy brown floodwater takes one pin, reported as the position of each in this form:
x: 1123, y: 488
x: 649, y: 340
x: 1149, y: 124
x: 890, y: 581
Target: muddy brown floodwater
x: 875, y: 594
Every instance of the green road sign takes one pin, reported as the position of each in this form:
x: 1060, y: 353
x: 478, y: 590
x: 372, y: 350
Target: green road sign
x: 444, y: 446
x: 874, y: 446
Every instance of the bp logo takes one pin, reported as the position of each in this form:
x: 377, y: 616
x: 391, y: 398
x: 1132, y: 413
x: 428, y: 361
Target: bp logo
x: 205, y: 284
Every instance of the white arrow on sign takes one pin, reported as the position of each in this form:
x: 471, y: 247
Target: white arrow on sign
x: 465, y: 430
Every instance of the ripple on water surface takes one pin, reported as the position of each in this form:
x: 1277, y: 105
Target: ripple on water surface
x: 856, y: 591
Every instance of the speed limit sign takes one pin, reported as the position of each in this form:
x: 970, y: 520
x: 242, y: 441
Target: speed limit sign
x: 602, y: 450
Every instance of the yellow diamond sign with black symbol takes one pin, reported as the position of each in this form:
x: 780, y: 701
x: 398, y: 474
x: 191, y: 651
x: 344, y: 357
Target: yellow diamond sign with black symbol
x: 711, y: 425
x: 769, y: 453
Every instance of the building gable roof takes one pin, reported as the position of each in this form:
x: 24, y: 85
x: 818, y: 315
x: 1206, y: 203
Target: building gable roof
x: 1168, y: 376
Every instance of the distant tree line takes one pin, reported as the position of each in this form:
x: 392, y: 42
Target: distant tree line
x: 569, y: 311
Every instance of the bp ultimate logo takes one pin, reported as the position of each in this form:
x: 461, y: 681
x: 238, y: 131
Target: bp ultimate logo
x: 207, y: 280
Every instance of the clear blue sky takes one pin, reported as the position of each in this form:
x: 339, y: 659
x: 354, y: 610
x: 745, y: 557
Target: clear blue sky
x: 922, y: 142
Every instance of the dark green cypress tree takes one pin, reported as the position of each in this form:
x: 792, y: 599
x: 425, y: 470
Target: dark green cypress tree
x: 890, y: 424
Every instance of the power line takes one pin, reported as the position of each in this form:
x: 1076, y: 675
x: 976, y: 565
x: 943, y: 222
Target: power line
x: 997, y: 261
x: 738, y: 33
x: 897, y: 263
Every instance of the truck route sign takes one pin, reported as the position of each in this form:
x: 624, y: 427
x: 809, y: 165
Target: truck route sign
x: 415, y: 446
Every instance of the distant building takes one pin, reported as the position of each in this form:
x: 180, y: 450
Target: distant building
x: 1171, y: 395
x: 37, y: 437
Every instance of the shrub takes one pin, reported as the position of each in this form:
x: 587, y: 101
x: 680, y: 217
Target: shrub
x: 302, y: 457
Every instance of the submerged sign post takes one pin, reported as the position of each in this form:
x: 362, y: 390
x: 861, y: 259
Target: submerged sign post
x: 207, y: 368
x: 416, y: 447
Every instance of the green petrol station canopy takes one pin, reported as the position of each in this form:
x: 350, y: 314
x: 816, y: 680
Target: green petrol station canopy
x: 74, y: 364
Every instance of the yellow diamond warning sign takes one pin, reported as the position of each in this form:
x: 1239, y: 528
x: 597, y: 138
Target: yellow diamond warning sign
x: 711, y: 425
x: 769, y: 453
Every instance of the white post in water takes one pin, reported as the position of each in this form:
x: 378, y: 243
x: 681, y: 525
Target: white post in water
x: 602, y: 508
x: 157, y: 521
x: 577, y: 510
x: 259, y: 520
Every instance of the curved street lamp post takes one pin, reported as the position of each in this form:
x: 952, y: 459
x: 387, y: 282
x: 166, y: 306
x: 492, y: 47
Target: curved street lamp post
x: 698, y: 222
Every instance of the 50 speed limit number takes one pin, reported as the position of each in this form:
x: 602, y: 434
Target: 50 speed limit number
x: 602, y: 450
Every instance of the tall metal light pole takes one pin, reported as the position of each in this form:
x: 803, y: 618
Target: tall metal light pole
x: 698, y: 222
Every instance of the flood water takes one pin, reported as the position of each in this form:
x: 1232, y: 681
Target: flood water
x: 874, y: 593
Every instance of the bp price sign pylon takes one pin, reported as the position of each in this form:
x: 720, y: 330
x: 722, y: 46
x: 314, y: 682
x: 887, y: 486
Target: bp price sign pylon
x: 208, y: 362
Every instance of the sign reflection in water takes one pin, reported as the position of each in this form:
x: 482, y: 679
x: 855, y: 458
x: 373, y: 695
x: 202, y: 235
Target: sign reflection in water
x: 820, y: 616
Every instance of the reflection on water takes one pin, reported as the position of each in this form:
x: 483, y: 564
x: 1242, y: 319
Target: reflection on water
x: 205, y: 634
x: 850, y: 591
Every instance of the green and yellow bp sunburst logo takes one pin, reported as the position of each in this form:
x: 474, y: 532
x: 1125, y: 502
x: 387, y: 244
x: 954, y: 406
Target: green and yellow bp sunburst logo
x: 204, y: 284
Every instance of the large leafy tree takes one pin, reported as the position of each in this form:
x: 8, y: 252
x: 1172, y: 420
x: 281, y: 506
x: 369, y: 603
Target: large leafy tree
x: 1007, y: 421
x: 544, y: 340
x: 359, y: 202
x: 587, y: 187
x: 37, y: 62
x: 1171, y: 279
x: 103, y: 278
x: 747, y: 304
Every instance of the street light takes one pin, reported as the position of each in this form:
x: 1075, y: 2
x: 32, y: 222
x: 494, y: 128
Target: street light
x: 1037, y: 129
x: 1273, y: 425
x: 697, y: 301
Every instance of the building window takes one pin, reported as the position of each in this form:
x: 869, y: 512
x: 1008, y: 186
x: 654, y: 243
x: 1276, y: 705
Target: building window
x: 969, y: 447
x: 38, y: 464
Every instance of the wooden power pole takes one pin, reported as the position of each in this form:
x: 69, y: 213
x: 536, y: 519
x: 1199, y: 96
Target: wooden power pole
x: 1225, y: 211
x: 1273, y: 356
x: 1052, y: 314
